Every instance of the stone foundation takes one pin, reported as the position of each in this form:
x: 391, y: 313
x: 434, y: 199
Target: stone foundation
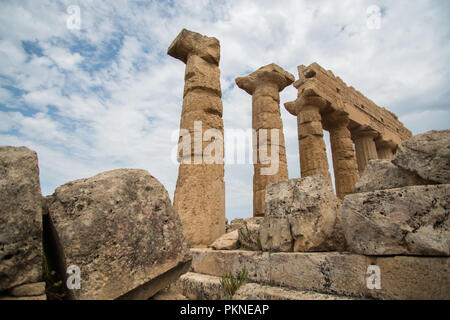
x: 341, y: 274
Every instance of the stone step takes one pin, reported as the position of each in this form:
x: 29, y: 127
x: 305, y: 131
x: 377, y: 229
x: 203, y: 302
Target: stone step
x: 196, y: 286
x: 339, y: 274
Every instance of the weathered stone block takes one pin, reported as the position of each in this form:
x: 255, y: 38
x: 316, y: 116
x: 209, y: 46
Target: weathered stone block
x: 427, y: 155
x: 120, y: 229
x: 28, y: 290
x: 249, y: 238
x: 383, y: 174
x: 220, y: 262
x: 20, y: 218
x: 339, y: 274
x: 302, y: 215
x: 228, y: 241
x: 403, y: 221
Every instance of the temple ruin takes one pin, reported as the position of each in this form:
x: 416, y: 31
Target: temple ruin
x: 385, y: 234
x: 326, y: 102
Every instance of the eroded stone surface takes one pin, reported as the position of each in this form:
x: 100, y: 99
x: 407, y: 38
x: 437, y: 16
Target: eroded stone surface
x: 29, y: 289
x: 254, y: 291
x: 197, y: 286
x: 249, y: 237
x: 427, y: 155
x: 206, y: 287
x: 116, y: 221
x: 341, y: 274
x: 228, y: 241
x: 192, y: 43
x: 403, y: 221
x: 302, y: 215
x: 20, y: 218
x: 383, y: 174
x: 236, y: 224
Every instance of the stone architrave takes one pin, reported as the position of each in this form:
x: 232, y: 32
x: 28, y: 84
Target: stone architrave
x: 200, y: 191
x: 265, y: 85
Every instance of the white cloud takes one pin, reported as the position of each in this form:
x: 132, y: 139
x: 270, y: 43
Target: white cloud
x: 108, y: 95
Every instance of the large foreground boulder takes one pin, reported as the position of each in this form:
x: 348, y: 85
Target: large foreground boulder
x: 383, y: 174
x: 427, y: 155
x: 403, y: 221
x: 20, y: 218
x: 120, y: 229
x: 302, y: 215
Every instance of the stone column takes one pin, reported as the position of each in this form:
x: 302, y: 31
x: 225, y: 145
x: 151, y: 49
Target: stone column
x: 200, y: 191
x: 264, y: 85
x: 313, y: 155
x: 385, y: 149
x: 344, y: 160
x: 366, y: 150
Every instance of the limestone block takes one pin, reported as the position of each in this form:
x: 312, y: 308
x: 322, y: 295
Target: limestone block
x: 383, y: 174
x: 249, y: 238
x: 29, y: 289
x: 427, y: 155
x: 332, y: 273
x: 20, y: 218
x: 115, y: 221
x: 403, y: 221
x: 302, y: 215
x: 228, y: 241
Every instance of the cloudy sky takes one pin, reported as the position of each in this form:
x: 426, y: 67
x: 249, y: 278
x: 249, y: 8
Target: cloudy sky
x: 108, y: 96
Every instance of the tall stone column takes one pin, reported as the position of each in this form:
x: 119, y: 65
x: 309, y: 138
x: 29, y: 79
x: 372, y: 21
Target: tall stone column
x: 200, y: 191
x: 313, y: 154
x: 385, y: 149
x: 366, y: 150
x: 264, y: 86
x: 344, y: 160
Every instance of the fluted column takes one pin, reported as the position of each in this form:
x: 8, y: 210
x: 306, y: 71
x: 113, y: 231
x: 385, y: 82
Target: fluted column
x: 344, y: 159
x: 385, y: 149
x: 313, y: 155
x: 200, y: 191
x: 270, y: 164
x: 366, y: 150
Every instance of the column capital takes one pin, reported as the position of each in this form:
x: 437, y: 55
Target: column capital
x: 192, y: 43
x: 364, y: 131
x: 296, y: 106
x: 336, y: 119
x: 269, y: 75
